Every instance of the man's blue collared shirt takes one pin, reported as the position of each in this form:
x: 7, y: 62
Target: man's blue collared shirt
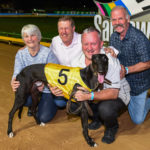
x: 134, y: 48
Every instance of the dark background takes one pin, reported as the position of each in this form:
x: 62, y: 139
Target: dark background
x: 49, y: 5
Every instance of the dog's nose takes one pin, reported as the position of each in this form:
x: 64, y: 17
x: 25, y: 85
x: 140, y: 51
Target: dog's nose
x: 101, y: 72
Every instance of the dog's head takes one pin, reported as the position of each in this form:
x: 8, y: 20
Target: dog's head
x: 100, y: 66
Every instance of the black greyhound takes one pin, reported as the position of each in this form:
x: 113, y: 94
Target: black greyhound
x: 31, y: 74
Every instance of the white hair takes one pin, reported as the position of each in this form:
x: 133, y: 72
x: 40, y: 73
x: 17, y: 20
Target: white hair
x: 31, y: 29
x: 121, y: 7
x: 91, y: 29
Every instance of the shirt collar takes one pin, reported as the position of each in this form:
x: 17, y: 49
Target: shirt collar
x: 127, y: 36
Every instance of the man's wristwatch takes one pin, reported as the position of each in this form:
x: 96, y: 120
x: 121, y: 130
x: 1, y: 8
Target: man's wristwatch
x: 127, y: 70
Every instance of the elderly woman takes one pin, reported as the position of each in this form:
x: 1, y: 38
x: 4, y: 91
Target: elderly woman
x: 34, y: 53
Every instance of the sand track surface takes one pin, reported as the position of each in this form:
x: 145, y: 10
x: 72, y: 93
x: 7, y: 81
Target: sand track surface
x: 63, y: 132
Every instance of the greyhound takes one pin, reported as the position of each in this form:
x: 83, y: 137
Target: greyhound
x: 92, y: 78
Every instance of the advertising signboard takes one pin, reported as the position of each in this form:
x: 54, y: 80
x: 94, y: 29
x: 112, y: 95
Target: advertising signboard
x: 139, y: 11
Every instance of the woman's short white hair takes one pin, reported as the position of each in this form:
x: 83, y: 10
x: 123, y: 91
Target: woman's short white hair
x: 31, y: 29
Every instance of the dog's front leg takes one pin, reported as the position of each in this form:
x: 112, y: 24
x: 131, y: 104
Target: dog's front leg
x: 84, y: 121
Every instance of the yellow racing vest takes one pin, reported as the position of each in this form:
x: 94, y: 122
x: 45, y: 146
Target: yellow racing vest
x: 64, y: 77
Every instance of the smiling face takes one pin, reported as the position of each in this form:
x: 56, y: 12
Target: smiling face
x: 91, y: 44
x: 66, y: 31
x: 31, y: 41
x: 120, y: 20
x: 31, y: 36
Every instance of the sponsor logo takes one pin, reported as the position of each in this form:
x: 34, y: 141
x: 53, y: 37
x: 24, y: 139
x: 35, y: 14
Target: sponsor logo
x: 135, y: 8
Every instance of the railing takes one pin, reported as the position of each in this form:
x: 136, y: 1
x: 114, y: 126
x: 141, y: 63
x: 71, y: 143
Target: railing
x: 16, y: 35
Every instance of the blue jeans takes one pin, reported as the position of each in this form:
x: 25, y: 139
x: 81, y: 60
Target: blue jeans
x: 138, y: 107
x: 46, y: 107
x: 60, y: 101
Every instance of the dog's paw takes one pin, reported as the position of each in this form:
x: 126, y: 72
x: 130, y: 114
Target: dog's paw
x: 92, y: 143
x: 95, y: 145
x: 11, y: 134
x: 42, y: 124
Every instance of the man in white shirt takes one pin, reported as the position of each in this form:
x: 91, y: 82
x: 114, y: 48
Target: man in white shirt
x: 113, y: 98
x: 68, y: 48
x: 67, y: 45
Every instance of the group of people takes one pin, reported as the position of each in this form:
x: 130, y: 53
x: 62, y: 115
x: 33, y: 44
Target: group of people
x: 128, y: 70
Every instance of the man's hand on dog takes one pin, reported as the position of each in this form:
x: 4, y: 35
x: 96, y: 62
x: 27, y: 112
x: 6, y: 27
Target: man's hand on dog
x: 14, y: 84
x: 56, y: 91
x: 82, y: 94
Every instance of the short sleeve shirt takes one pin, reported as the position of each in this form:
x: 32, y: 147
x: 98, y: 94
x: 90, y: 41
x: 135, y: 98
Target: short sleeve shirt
x: 113, y: 75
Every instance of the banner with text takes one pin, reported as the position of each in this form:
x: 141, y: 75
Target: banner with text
x: 135, y: 8
x: 106, y: 29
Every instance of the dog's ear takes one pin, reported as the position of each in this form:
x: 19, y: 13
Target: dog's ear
x: 105, y: 58
x: 96, y: 58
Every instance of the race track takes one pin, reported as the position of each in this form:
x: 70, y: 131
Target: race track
x: 63, y: 132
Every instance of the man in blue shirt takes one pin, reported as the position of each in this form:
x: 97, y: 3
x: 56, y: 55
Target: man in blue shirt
x: 134, y: 55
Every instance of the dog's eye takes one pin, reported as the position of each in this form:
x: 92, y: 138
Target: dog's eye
x: 105, y: 58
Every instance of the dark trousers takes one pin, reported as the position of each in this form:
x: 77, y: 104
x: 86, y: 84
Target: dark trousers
x: 106, y: 111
